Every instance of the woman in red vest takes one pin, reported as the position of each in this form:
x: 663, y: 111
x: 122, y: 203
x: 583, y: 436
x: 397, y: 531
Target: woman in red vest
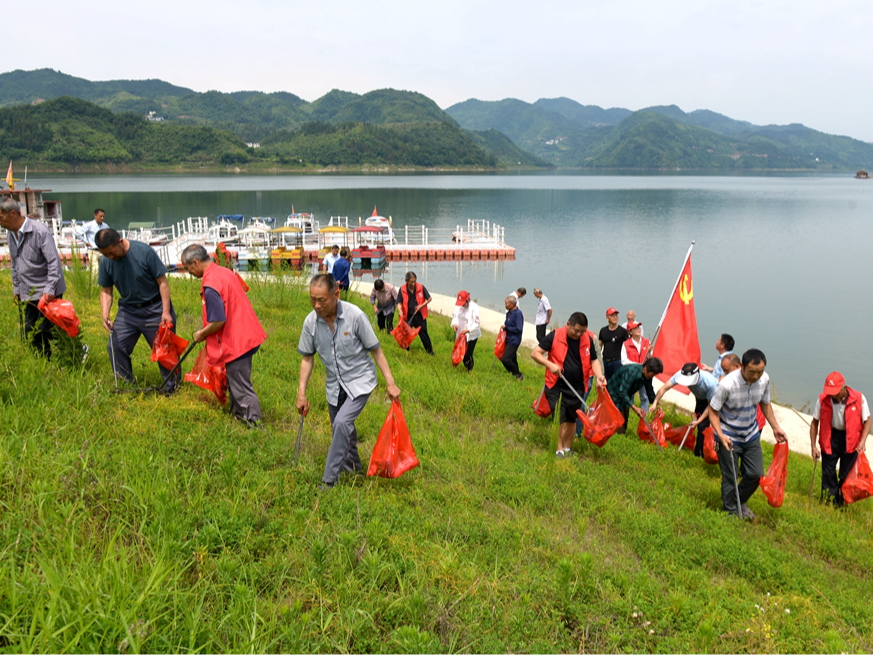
x: 634, y: 351
x: 842, y: 421
x: 414, y: 299
x: 230, y: 329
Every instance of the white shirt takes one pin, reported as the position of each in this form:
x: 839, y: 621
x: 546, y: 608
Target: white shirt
x: 543, y: 311
x: 838, y: 421
x: 467, y: 318
x: 625, y: 360
x: 89, y: 230
x: 329, y: 260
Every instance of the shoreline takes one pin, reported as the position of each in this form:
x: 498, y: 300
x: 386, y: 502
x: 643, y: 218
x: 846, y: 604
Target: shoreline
x: 794, y: 423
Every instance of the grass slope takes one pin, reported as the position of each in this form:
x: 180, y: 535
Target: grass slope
x: 158, y: 524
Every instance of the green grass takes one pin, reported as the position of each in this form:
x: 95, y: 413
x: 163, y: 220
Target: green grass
x: 159, y: 524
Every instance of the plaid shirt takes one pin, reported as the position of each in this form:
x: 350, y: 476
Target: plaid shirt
x: 625, y: 382
x: 36, y: 264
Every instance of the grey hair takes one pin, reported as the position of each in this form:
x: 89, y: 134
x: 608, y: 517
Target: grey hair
x: 512, y: 300
x: 194, y: 253
x: 537, y: 290
x: 324, y: 280
x: 8, y: 205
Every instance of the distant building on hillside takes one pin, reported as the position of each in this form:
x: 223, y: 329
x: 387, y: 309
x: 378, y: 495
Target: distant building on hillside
x: 153, y: 117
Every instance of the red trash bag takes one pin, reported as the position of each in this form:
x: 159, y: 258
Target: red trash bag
x: 773, y: 483
x: 61, y: 313
x: 500, y: 344
x: 677, y: 434
x: 859, y: 482
x: 404, y: 334
x: 393, y: 454
x: 459, y: 350
x: 657, y: 427
x: 541, y: 405
x: 211, y: 378
x: 167, y: 346
x: 710, y: 454
x: 602, y: 420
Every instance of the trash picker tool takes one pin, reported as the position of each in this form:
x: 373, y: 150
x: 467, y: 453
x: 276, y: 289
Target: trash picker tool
x: 687, y: 432
x: 812, y: 482
x: 299, y: 438
x: 171, y: 374
x: 736, y: 484
x: 21, y: 320
x: 575, y: 393
x: 112, y: 352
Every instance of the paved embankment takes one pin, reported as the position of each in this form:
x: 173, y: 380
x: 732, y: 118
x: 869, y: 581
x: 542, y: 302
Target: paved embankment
x: 795, y: 424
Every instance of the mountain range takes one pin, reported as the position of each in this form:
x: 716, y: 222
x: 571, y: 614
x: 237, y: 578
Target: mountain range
x: 406, y: 128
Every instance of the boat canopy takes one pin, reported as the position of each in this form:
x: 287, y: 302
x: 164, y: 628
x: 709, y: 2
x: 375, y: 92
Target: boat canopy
x: 288, y: 229
x: 368, y: 228
x: 334, y: 229
x: 232, y: 217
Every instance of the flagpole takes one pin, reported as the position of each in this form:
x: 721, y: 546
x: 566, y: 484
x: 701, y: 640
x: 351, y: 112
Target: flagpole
x: 670, y: 298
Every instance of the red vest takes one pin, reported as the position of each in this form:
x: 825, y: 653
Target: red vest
x: 419, y: 298
x: 558, y: 354
x: 853, y: 421
x: 636, y: 355
x: 241, y: 331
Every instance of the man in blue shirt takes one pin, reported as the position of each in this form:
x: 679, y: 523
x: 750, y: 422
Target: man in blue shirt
x: 513, y: 326
x: 702, y: 385
x: 725, y: 346
x: 341, y: 268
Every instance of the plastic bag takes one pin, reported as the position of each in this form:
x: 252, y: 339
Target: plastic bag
x: 676, y: 435
x: 710, y: 454
x: 500, y: 344
x: 167, y: 346
x: 61, y: 313
x: 541, y: 405
x: 459, y: 350
x: 602, y: 420
x: 773, y: 483
x: 859, y: 482
x: 211, y: 378
x: 656, y: 435
x: 393, y: 454
x: 404, y: 334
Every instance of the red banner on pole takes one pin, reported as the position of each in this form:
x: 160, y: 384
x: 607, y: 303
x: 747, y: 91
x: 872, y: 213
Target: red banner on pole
x: 677, y: 342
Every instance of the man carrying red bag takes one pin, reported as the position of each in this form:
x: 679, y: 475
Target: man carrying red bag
x: 841, y: 420
x: 230, y: 329
x: 570, y: 358
x: 344, y: 339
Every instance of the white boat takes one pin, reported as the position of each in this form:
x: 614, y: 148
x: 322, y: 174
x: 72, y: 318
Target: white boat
x: 223, y: 232
x: 386, y: 236
x: 305, y: 222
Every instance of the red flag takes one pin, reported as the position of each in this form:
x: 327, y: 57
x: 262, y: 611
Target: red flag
x: 676, y: 342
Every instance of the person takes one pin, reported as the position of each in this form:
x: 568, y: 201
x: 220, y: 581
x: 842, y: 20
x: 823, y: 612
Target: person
x: 347, y: 346
x: 570, y: 358
x: 341, y: 269
x: 383, y: 297
x: 841, y: 420
x: 87, y: 231
x: 625, y: 383
x: 331, y: 258
x: 544, y: 314
x: 414, y: 300
x: 514, y: 326
x: 144, y: 303
x: 465, y: 320
x: 610, y: 339
x: 634, y: 351
x: 36, y: 271
x: 733, y: 417
x: 702, y: 385
x: 519, y: 293
x: 725, y: 346
x: 231, y: 330
x: 632, y: 318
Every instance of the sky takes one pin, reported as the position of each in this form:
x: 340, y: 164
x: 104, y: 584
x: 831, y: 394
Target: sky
x: 768, y: 62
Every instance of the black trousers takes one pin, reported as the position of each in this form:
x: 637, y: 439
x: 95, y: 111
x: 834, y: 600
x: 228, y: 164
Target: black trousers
x: 385, y: 322
x: 468, y: 356
x: 418, y: 321
x: 699, y: 408
x: 829, y: 480
x: 541, y: 332
x: 38, y: 328
x: 510, y: 359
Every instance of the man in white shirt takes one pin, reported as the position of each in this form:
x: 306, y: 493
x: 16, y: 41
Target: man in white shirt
x: 841, y: 420
x: 331, y: 258
x: 89, y: 230
x: 632, y: 318
x: 544, y: 314
x: 465, y: 320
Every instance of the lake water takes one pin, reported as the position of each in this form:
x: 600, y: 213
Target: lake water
x: 777, y: 260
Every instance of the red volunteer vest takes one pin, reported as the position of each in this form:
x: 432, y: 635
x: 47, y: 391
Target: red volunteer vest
x: 636, y: 355
x: 242, y: 331
x: 558, y: 354
x: 419, y: 298
x: 853, y: 421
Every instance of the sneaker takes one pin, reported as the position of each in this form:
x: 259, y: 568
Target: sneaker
x: 324, y: 486
x: 86, y: 350
x: 519, y: 377
x: 559, y: 454
x: 748, y: 514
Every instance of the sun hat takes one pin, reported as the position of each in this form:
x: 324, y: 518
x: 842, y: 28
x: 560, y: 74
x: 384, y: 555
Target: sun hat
x: 689, y: 375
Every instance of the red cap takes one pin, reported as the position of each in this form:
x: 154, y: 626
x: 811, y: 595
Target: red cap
x: 632, y: 324
x: 611, y: 311
x: 463, y: 297
x: 833, y: 383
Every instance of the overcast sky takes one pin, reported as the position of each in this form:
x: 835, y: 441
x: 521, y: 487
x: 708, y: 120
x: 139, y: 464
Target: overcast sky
x: 774, y: 61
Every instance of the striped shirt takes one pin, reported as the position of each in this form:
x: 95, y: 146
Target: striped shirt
x: 36, y: 264
x: 736, y: 402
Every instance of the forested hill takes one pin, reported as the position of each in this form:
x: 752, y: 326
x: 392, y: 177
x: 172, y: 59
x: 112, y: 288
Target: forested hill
x: 569, y: 134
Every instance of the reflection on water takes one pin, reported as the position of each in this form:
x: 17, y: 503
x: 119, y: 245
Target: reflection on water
x: 778, y: 260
